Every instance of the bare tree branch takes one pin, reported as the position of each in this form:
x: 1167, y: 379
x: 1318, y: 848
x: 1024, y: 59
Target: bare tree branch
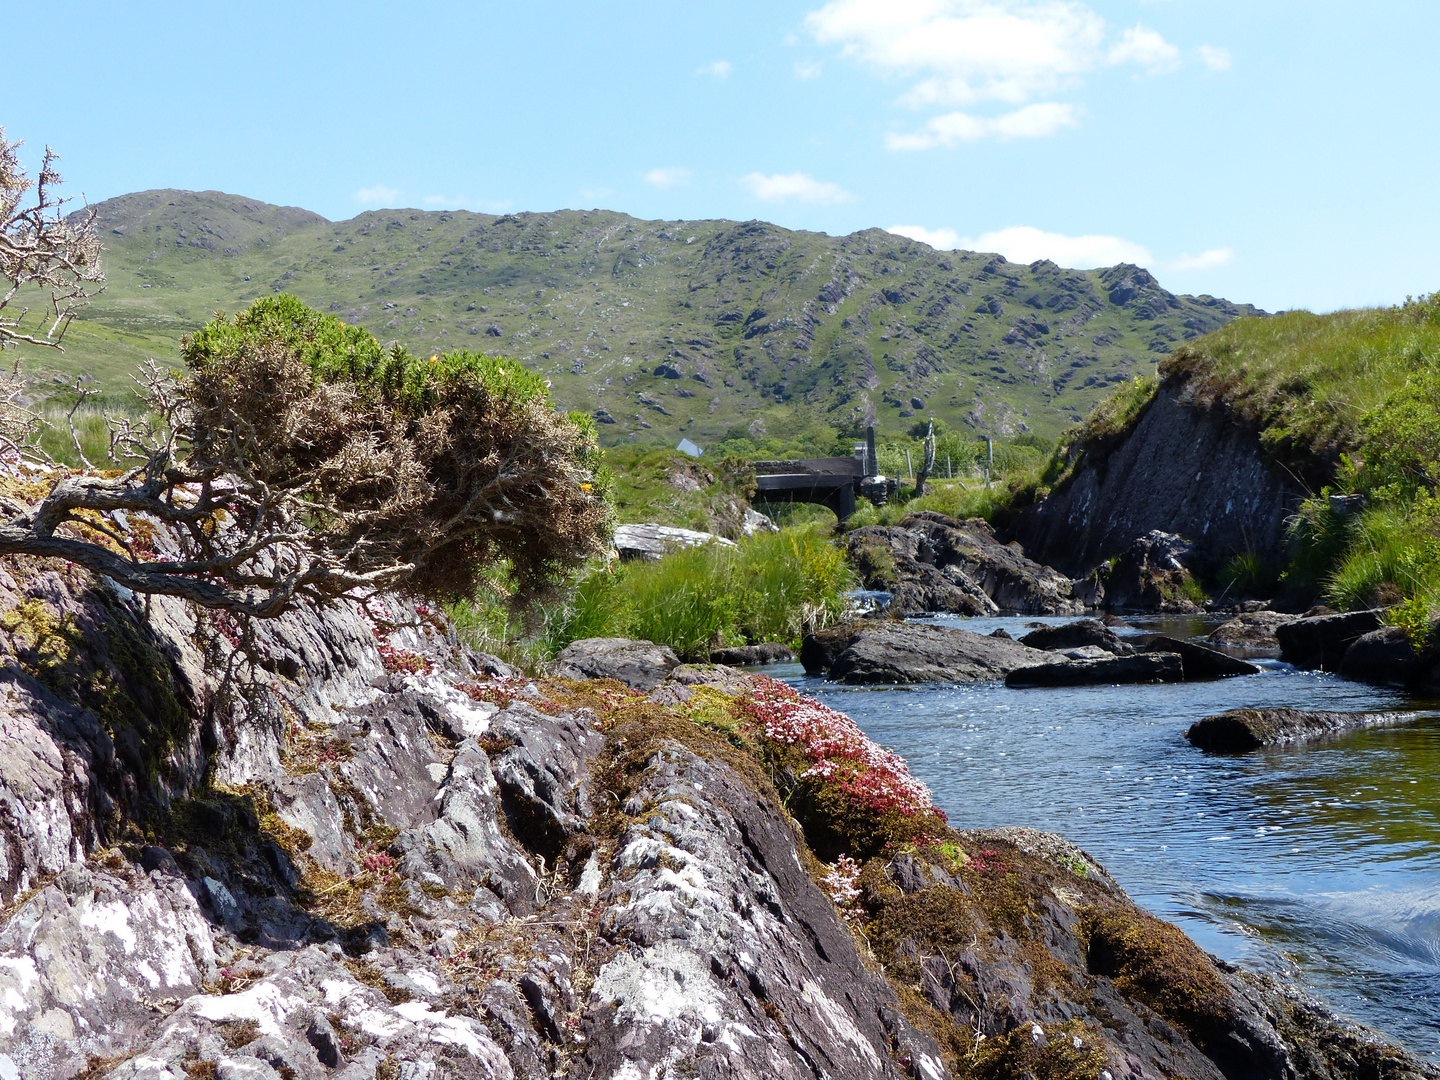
x: 42, y: 252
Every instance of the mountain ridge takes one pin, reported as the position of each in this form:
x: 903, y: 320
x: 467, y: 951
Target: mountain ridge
x: 704, y: 327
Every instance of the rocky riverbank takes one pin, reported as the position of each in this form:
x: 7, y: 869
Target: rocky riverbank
x: 381, y: 855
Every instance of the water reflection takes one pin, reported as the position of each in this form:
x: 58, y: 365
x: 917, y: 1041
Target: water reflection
x: 1321, y: 861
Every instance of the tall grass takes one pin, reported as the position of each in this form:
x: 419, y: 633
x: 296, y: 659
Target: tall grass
x: 774, y: 587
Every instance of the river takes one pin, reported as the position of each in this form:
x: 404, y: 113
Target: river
x: 1318, y: 862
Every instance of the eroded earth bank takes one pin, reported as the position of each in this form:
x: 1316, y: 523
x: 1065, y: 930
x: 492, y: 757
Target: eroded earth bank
x: 378, y: 854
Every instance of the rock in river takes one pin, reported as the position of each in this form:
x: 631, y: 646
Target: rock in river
x: 1200, y: 662
x: 900, y: 652
x: 1075, y: 635
x: 1239, y: 730
x: 1321, y: 641
x: 1251, y: 630
x: 1142, y: 668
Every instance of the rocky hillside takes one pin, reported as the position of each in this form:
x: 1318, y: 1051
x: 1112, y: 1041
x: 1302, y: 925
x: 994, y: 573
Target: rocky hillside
x: 377, y: 854
x: 659, y: 327
x: 1182, y: 462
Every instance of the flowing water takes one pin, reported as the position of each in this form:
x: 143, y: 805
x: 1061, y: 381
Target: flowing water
x: 1319, y: 862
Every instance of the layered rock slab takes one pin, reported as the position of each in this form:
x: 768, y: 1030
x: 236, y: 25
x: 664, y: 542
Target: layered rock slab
x: 901, y: 652
x: 1250, y: 729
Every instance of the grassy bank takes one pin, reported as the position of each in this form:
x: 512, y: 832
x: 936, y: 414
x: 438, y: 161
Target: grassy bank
x: 774, y: 587
x: 1349, y: 405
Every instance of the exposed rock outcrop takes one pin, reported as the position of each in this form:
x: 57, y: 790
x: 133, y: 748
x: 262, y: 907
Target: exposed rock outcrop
x: 642, y: 665
x: 1150, y: 574
x: 1186, y: 467
x: 931, y: 562
x: 901, y: 652
x: 653, y: 542
x: 1249, y: 729
x: 402, y: 859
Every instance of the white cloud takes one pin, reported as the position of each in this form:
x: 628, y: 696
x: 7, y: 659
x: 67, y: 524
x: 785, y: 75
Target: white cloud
x: 939, y: 239
x: 1206, y: 260
x: 377, y: 194
x: 1025, y: 244
x: 807, y: 69
x: 784, y: 186
x: 1145, y: 47
x: 974, y: 50
x: 963, y: 52
x: 1215, y: 58
x: 667, y: 177
x: 1031, y: 122
x: 720, y: 69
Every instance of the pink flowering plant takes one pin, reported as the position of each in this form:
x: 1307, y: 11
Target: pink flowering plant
x: 854, y: 796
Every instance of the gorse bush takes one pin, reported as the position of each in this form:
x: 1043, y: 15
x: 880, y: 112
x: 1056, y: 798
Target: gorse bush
x: 450, y: 463
x: 298, y: 458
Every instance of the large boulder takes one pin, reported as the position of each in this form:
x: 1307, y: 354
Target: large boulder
x: 639, y: 664
x: 931, y: 562
x: 1110, y: 671
x: 1200, y: 662
x: 1321, y: 641
x: 1249, y: 729
x: 652, y: 542
x: 901, y: 652
x: 1384, y: 657
x: 1075, y: 635
x: 1251, y: 630
x: 1151, y: 575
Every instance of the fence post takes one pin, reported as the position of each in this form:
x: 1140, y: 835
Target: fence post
x: 909, y: 469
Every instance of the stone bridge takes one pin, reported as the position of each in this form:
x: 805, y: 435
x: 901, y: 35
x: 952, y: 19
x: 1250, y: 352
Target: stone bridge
x: 831, y: 482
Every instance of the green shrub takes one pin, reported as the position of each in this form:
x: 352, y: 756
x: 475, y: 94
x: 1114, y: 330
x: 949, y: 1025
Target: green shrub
x: 774, y: 587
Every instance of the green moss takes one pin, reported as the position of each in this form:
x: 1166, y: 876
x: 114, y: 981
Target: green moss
x: 1156, y: 963
x: 105, y: 661
x: 1068, y: 1051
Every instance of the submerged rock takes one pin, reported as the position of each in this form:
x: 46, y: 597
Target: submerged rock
x: 1200, y: 662
x: 1249, y: 729
x: 901, y: 652
x: 1156, y: 667
x: 640, y: 664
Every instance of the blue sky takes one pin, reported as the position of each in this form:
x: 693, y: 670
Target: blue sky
x: 1280, y: 153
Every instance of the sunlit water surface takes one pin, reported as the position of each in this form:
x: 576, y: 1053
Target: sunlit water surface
x: 1320, y: 862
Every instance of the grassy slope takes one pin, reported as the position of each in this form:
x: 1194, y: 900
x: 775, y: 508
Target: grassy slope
x: 758, y: 322
x: 1337, y: 400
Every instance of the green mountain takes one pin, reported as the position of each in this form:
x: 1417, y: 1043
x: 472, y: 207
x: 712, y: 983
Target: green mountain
x: 660, y: 328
